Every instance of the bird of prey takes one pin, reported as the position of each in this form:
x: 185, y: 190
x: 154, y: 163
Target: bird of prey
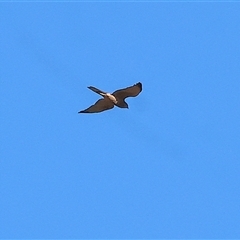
x: 117, y: 98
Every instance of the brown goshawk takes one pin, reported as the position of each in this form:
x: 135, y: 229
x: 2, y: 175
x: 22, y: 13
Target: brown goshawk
x: 117, y: 98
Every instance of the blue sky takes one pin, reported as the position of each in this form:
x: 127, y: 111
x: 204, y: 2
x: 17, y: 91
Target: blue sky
x: 167, y: 167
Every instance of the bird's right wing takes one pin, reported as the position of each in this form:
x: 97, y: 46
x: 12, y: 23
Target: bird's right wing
x: 101, y: 105
x: 132, y: 91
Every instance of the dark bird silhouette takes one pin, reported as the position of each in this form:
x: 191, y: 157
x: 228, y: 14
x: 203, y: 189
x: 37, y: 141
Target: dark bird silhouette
x: 117, y: 98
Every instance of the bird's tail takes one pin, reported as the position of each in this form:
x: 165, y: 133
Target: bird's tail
x: 96, y: 90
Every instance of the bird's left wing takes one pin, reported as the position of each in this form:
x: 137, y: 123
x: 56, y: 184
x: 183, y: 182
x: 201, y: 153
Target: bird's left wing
x: 101, y: 105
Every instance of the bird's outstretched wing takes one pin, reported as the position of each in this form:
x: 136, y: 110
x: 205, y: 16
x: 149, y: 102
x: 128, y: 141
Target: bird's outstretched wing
x: 101, y: 105
x: 132, y: 91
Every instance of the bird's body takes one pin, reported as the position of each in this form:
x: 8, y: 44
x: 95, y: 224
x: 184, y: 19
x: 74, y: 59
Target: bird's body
x: 117, y: 98
x: 111, y: 98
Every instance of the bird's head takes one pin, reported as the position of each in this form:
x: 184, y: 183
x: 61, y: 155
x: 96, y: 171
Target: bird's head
x: 126, y: 106
x: 122, y: 104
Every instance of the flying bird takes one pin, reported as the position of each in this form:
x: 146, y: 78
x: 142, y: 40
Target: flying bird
x: 117, y: 98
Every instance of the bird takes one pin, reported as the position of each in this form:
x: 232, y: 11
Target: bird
x: 109, y: 100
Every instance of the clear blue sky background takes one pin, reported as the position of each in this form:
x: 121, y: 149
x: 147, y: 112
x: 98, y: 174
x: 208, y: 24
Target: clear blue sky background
x: 167, y: 167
